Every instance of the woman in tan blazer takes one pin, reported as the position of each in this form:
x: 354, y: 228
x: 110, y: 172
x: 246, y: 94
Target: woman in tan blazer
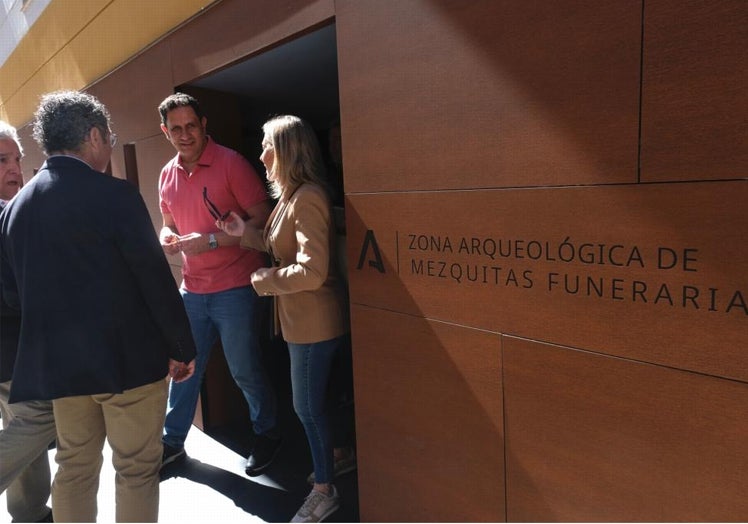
x: 308, y: 292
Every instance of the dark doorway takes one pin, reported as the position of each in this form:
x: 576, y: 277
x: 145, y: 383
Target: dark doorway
x: 298, y: 76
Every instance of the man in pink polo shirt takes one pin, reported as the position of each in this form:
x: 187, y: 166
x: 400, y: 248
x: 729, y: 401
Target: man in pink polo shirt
x: 202, y: 183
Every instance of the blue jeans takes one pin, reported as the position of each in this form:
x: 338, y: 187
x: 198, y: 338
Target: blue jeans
x: 310, y: 372
x: 232, y: 315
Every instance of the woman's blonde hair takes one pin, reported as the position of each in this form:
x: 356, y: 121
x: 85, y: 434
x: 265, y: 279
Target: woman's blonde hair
x: 297, y: 154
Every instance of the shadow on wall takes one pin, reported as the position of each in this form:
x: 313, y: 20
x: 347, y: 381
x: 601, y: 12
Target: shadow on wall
x: 428, y: 409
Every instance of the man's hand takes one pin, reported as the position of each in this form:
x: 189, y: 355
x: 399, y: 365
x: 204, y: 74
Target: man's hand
x: 193, y: 244
x: 179, y: 371
x: 169, y: 241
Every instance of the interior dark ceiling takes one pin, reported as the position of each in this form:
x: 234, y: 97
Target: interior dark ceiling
x: 298, y: 77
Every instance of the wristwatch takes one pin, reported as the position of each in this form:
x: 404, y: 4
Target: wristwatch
x: 212, y: 242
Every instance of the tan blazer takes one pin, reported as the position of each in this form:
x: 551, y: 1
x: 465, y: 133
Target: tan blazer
x: 305, y: 282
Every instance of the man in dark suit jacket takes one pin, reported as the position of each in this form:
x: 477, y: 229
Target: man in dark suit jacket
x: 103, y: 322
x: 28, y: 427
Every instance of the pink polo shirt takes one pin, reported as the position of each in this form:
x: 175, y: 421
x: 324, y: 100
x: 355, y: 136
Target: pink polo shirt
x: 232, y: 185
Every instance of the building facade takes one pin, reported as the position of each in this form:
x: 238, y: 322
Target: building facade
x: 545, y: 216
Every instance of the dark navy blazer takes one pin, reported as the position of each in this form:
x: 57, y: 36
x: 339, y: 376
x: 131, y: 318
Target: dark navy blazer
x: 100, y: 310
x: 10, y: 327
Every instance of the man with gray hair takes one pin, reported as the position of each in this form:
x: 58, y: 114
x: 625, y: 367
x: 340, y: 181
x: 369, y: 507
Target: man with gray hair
x: 103, y: 322
x: 28, y: 427
x: 11, y: 153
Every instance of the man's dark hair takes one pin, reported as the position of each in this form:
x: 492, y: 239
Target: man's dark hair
x: 64, y: 118
x: 179, y: 100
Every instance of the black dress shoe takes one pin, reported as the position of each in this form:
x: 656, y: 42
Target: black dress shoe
x: 172, y: 455
x: 46, y: 518
x: 263, y: 453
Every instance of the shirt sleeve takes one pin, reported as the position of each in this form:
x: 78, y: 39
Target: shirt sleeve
x: 162, y: 203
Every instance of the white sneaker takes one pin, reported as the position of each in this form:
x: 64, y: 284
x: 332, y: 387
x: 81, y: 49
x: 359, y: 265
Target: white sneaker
x: 318, y: 506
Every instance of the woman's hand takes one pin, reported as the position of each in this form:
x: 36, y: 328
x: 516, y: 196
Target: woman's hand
x: 233, y: 225
x: 251, y: 237
x: 259, y: 276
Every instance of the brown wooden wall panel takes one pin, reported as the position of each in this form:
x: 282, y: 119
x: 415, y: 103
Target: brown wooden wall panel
x: 651, y: 272
x: 593, y: 438
x: 234, y: 29
x: 694, y: 103
x: 151, y: 154
x: 133, y: 92
x: 497, y: 95
x: 33, y: 157
x: 428, y: 420
x: 450, y: 94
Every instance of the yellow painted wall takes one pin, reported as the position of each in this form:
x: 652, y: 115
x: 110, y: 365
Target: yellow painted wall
x: 76, y: 42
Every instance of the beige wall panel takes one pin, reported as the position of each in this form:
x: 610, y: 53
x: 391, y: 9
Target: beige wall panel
x: 56, y: 27
x: 593, y: 438
x: 694, y: 105
x: 234, y: 29
x: 428, y: 420
x: 59, y: 23
x: 62, y: 73
x: 659, y: 243
x: 75, y: 42
x: 133, y: 92
x: 488, y: 93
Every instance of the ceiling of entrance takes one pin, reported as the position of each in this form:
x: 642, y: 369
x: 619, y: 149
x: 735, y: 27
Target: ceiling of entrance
x: 300, y: 76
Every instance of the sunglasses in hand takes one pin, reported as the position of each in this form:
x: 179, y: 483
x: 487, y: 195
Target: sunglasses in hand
x: 212, y: 208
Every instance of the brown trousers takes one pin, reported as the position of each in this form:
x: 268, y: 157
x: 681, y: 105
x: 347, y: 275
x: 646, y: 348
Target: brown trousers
x: 132, y: 422
x: 28, y: 428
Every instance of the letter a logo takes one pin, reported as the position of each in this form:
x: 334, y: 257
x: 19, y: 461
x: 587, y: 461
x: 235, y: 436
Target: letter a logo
x: 376, y: 262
